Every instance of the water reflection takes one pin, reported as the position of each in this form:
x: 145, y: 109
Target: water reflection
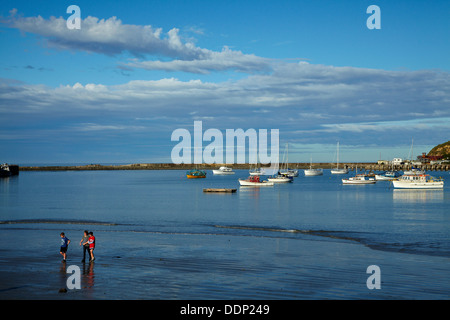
x: 418, y: 195
x: 88, y: 275
x: 249, y: 192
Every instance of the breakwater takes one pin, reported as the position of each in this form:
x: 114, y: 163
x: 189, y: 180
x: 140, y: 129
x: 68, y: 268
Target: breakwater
x: 171, y: 166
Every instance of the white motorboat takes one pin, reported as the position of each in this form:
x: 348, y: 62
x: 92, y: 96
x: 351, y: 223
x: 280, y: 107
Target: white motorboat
x: 223, y: 171
x: 418, y: 181
x: 359, y: 179
x: 254, y: 181
x: 338, y: 170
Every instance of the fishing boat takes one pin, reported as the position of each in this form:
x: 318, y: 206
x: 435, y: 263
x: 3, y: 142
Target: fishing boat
x: 313, y: 172
x: 195, y: 174
x: 360, y: 178
x: 418, y: 181
x: 254, y: 181
x: 338, y: 170
x: 223, y: 171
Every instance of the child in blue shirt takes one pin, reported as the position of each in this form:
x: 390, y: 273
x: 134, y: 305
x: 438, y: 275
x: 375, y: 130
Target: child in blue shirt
x: 64, y: 245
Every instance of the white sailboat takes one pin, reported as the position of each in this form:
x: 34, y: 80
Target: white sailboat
x: 281, y: 177
x: 288, y: 172
x: 411, y: 155
x: 338, y: 170
x: 313, y: 172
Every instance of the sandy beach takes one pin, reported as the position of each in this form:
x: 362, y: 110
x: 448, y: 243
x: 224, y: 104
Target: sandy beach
x: 205, y: 267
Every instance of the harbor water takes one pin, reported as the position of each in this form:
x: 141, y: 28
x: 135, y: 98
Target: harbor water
x: 159, y: 236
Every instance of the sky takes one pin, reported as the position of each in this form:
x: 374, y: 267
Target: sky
x: 114, y: 90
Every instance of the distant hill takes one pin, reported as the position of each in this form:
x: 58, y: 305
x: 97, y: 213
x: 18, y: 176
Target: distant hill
x: 441, y: 150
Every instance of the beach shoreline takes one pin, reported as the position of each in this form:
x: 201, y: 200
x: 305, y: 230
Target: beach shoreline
x: 178, y: 266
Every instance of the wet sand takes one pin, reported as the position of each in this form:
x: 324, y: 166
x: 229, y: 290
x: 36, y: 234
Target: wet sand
x: 158, y: 266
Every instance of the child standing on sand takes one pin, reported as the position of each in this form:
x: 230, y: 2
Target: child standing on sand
x: 64, y: 245
x: 84, y: 243
x: 91, y: 242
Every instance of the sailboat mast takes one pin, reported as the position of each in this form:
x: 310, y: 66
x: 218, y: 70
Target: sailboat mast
x: 337, y: 164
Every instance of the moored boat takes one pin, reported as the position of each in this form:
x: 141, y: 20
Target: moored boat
x: 414, y: 171
x: 388, y: 176
x: 223, y: 171
x: 257, y: 172
x: 280, y: 178
x: 313, y: 172
x: 418, y: 181
x: 338, y: 170
x: 254, y: 181
x: 359, y: 178
x: 195, y: 174
x: 4, y: 170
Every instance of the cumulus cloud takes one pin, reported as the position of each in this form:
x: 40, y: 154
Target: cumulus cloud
x: 309, y: 104
x: 302, y: 95
x: 211, y: 61
x: 112, y: 37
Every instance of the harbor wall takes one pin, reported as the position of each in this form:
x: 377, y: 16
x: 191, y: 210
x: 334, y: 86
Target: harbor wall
x: 171, y: 166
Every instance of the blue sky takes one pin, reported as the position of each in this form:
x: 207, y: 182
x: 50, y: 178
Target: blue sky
x: 116, y: 89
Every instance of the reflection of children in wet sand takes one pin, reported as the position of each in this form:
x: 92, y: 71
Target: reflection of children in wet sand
x: 91, y: 242
x: 64, y: 245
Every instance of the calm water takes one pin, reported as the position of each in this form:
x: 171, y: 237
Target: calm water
x: 312, y: 238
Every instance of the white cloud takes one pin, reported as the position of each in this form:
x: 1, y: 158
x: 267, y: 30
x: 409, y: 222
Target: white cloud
x: 211, y: 61
x: 311, y: 103
x: 112, y: 37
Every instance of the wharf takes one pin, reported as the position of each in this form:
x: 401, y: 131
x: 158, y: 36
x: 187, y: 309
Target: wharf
x: 246, y: 166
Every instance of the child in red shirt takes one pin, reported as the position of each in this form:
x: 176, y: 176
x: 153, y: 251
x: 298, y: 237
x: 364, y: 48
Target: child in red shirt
x: 91, y: 242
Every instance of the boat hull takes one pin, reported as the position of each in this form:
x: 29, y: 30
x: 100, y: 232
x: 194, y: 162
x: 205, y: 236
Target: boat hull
x: 339, y: 171
x: 358, y: 180
x: 313, y: 172
x: 381, y: 178
x: 345, y: 181
x: 418, y: 185
x: 280, y: 179
x: 195, y: 177
x: 255, y: 184
x: 219, y: 172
